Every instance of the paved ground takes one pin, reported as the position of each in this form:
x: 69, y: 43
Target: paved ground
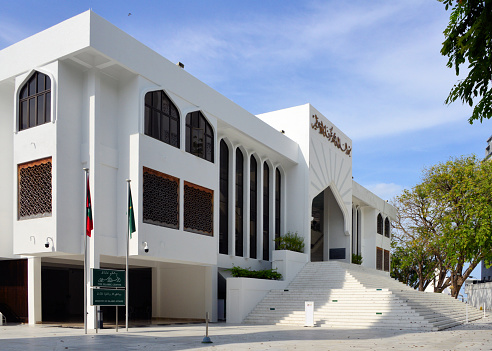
x: 473, y: 336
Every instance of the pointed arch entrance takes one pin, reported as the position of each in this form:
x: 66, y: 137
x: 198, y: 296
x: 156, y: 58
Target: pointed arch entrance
x: 329, y: 239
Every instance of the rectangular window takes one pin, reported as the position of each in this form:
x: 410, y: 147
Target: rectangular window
x: 386, y: 261
x: 198, y: 209
x: 35, y: 189
x: 160, y: 199
x: 379, y: 258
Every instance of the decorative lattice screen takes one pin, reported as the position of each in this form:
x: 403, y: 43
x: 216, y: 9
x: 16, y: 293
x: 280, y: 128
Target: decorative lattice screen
x: 35, y: 189
x: 379, y: 258
x: 198, y: 209
x: 386, y: 261
x: 160, y: 199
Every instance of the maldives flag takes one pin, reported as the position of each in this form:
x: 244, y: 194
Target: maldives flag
x: 88, y: 209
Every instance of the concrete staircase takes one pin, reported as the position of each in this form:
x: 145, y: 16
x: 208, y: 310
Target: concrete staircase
x: 351, y: 296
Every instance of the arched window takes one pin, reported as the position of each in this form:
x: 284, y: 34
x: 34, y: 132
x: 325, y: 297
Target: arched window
x: 199, y: 136
x: 161, y: 118
x: 253, y: 206
x: 380, y: 224
x: 266, y: 212
x: 224, y: 199
x: 35, y: 101
x: 277, y: 205
x: 387, y: 228
x: 239, y: 202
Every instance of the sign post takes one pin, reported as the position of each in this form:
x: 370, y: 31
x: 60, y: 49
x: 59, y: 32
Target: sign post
x: 115, y: 296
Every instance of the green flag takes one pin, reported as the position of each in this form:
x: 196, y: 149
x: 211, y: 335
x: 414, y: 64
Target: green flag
x: 131, y: 217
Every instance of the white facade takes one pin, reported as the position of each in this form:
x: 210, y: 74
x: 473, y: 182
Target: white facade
x: 100, y: 77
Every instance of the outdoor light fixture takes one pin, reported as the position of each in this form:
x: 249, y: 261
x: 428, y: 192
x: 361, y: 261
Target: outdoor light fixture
x: 146, y: 246
x: 33, y: 239
x: 47, y: 243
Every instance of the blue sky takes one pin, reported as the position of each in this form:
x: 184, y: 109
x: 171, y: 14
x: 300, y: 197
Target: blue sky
x: 372, y: 67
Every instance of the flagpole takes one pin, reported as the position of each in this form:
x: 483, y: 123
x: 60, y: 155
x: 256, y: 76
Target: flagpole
x: 127, y: 282
x: 86, y: 170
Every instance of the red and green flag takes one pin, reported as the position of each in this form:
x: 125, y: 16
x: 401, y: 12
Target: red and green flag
x: 88, y: 209
x: 131, y: 217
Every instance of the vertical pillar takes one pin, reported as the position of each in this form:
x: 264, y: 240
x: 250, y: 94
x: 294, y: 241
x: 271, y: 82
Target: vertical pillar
x: 232, y: 201
x: 246, y: 203
x: 34, y: 290
x: 211, y: 292
x: 259, y: 210
x: 93, y: 257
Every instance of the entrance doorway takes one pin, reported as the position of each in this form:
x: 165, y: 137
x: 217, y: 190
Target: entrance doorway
x: 328, y: 234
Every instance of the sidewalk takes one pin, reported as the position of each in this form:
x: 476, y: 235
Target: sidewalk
x: 473, y: 336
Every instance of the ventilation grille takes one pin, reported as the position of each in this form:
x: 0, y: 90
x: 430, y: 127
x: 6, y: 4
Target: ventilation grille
x: 198, y: 209
x: 386, y: 261
x: 35, y: 189
x: 379, y: 258
x: 160, y: 199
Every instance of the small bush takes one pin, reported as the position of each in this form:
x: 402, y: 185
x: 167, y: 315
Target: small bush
x: 290, y: 241
x: 356, y: 259
x: 270, y: 274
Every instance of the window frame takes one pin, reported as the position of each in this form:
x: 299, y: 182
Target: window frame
x: 45, y: 95
x: 154, y: 114
x: 196, y: 125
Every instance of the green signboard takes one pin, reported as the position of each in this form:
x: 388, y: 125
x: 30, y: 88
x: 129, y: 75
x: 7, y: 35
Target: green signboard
x: 108, y: 278
x: 108, y: 297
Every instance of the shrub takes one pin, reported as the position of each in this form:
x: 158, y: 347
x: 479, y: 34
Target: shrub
x: 270, y: 274
x: 290, y: 241
x: 356, y: 259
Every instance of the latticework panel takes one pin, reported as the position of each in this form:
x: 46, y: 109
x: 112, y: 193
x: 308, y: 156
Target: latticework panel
x: 386, y: 261
x: 379, y: 258
x: 198, y: 209
x: 160, y: 199
x: 35, y: 189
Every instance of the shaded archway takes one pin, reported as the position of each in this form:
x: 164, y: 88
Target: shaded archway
x: 328, y: 233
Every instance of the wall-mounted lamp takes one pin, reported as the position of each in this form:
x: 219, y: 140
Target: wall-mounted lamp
x: 145, y: 246
x: 47, y: 243
x: 33, y: 239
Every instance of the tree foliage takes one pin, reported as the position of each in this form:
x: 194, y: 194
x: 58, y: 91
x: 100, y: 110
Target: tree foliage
x: 468, y: 39
x: 443, y: 223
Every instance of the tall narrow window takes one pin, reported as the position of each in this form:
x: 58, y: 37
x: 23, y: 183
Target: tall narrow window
x: 380, y: 224
x: 277, y: 205
x: 386, y: 261
x: 266, y: 212
x: 239, y: 202
x: 199, y: 136
x: 387, y: 228
x: 161, y: 118
x: 35, y: 101
x: 379, y: 258
x: 253, y: 206
x: 224, y: 199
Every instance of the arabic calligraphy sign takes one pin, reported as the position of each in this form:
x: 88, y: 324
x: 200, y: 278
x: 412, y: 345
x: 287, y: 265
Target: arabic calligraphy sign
x: 108, y: 278
x: 329, y: 134
x: 108, y: 297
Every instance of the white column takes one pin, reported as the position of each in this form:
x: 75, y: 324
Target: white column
x: 211, y: 292
x: 246, y: 203
x: 93, y: 257
x: 232, y: 201
x: 34, y: 289
x: 259, y: 210
x: 272, y: 210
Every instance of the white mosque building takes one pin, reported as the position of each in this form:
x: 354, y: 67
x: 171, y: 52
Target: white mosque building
x: 212, y: 184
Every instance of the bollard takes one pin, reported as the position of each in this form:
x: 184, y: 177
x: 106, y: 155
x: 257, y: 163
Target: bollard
x: 206, y: 339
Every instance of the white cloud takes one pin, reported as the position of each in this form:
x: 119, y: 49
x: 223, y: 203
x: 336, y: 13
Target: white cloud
x: 385, y: 191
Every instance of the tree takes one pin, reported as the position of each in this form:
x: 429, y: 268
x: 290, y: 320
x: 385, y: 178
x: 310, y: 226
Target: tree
x: 446, y: 221
x: 415, y: 254
x: 468, y: 39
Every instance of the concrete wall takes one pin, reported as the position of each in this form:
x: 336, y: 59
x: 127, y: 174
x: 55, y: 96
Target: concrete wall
x: 480, y: 294
x: 183, y: 291
x: 243, y: 294
x: 7, y: 173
